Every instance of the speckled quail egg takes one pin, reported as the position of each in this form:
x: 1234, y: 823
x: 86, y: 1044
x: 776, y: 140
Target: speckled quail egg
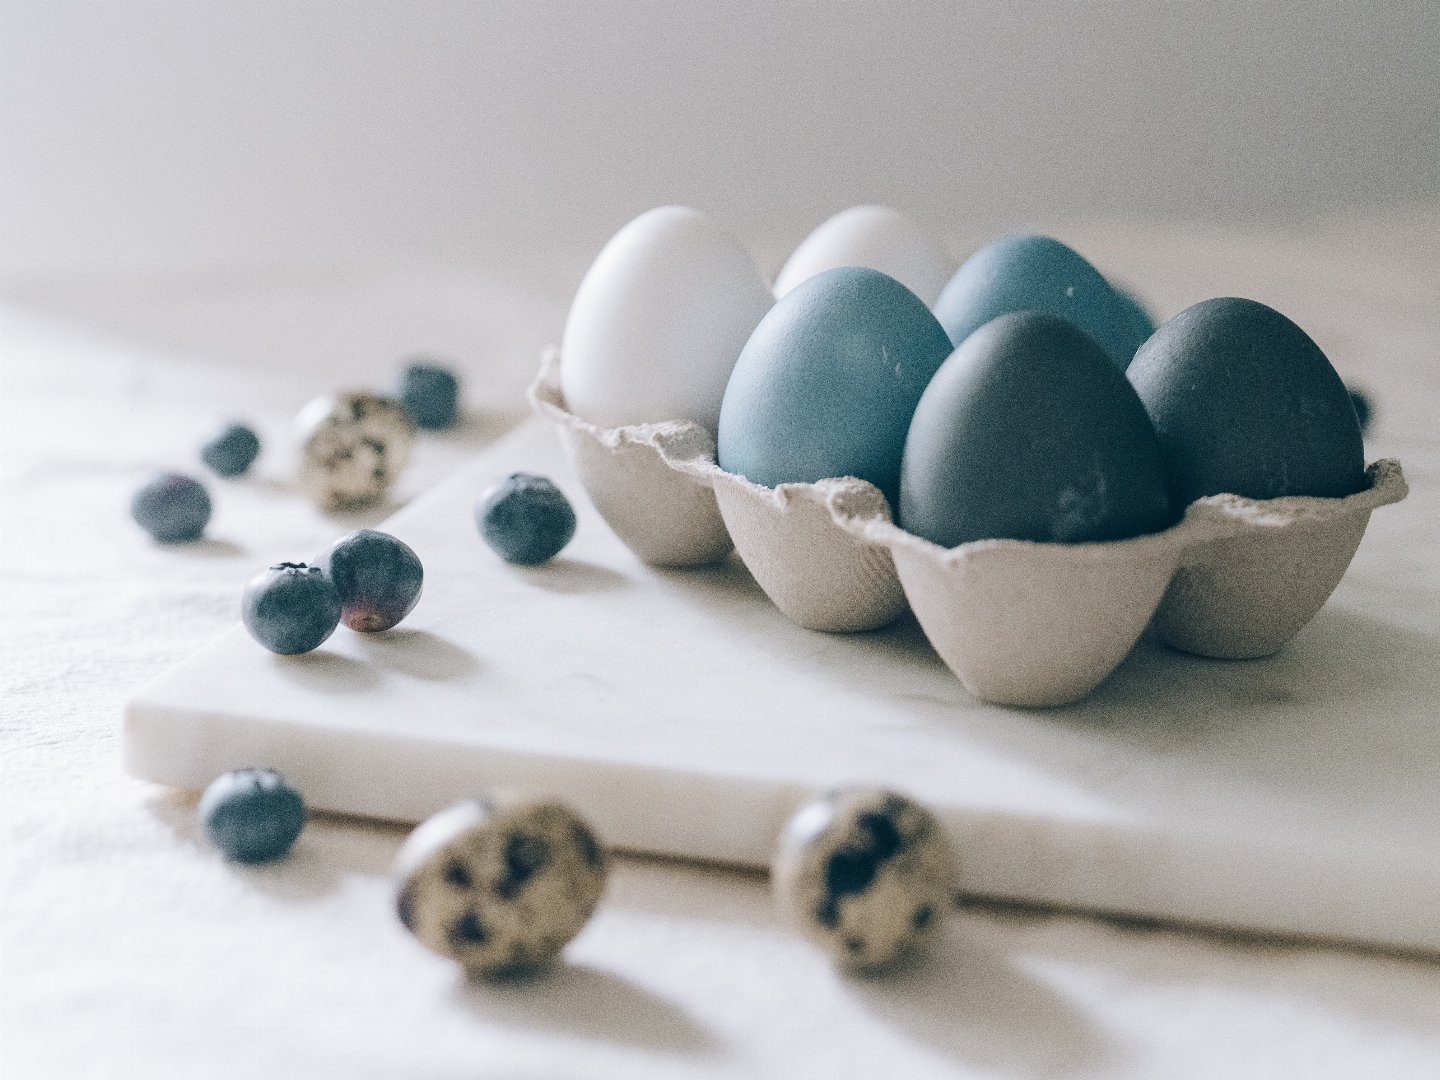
x: 500, y: 885
x: 866, y: 873
x: 352, y: 447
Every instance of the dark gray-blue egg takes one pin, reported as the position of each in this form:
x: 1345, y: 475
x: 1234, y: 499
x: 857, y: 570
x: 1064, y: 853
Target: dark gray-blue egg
x: 1364, y: 409
x: 1037, y: 273
x: 828, y: 381
x: 1029, y: 432
x: 1244, y: 402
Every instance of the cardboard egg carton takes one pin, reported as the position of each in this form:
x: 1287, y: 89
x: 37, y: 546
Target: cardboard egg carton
x: 1020, y: 623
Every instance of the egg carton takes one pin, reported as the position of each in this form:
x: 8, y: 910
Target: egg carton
x: 1020, y: 623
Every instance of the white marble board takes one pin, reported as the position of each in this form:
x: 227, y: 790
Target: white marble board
x: 682, y: 712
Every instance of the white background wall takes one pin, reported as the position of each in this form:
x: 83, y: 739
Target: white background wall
x: 163, y: 134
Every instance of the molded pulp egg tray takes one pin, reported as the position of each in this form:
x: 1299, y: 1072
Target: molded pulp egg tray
x: 1020, y: 623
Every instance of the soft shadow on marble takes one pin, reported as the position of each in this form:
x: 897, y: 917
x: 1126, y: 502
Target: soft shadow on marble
x: 586, y: 1002
x: 418, y: 653
x: 326, y: 671
x: 566, y: 575
x: 367, y: 516
x: 1390, y: 991
x: 968, y: 1000
x: 473, y: 428
x: 207, y: 547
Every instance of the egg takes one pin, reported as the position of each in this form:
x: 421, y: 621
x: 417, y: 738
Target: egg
x: 827, y: 382
x: 1244, y: 402
x: 878, y: 237
x: 1037, y: 273
x: 1142, y: 323
x: 659, y: 320
x: 1030, y: 432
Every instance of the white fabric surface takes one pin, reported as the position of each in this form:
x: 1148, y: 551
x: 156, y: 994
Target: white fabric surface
x: 131, y: 949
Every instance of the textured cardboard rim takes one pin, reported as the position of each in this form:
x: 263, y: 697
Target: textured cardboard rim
x: 678, y: 442
x: 1019, y: 622
x: 820, y: 574
x: 1206, y: 520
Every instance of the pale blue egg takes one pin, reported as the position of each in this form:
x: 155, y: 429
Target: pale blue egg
x: 829, y: 380
x: 1037, y: 273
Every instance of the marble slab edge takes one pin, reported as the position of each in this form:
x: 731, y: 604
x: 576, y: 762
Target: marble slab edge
x: 732, y: 819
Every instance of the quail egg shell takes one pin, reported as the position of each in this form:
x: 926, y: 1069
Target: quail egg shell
x: 658, y: 321
x: 865, y: 873
x: 499, y: 885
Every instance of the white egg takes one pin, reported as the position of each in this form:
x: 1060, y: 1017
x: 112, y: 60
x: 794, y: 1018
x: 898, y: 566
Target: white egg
x: 876, y: 237
x: 659, y: 321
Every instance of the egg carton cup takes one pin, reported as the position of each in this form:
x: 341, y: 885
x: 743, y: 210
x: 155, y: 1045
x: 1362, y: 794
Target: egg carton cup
x: 1019, y: 623
x: 650, y: 482
x: 658, y: 487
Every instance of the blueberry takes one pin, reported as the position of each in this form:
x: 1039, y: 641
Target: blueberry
x: 1363, y: 409
x: 376, y: 576
x: 430, y: 394
x: 252, y: 815
x: 525, y: 518
x: 172, y: 508
x: 232, y: 450
x: 290, y: 608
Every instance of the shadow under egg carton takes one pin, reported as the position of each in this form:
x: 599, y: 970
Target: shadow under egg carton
x: 1020, y: 623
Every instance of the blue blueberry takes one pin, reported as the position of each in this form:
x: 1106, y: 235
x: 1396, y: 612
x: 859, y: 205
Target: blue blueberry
x: 290, y: 608
x: 525, y: 518
x: 1363, y: 410
x: 252, y: 815
x: 233, y: 449
x: 172, y: 508
x: 376, y: 576
x: 430, y: 394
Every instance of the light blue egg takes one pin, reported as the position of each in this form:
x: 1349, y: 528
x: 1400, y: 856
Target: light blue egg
x: 1037, y: 273
x: 829, y: 380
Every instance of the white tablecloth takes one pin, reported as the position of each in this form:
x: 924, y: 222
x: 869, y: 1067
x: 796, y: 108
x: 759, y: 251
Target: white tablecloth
x: 131, y: 949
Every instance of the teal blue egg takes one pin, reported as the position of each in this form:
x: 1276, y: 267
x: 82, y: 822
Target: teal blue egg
x: 1037, y: 273
x: 828, y: 381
